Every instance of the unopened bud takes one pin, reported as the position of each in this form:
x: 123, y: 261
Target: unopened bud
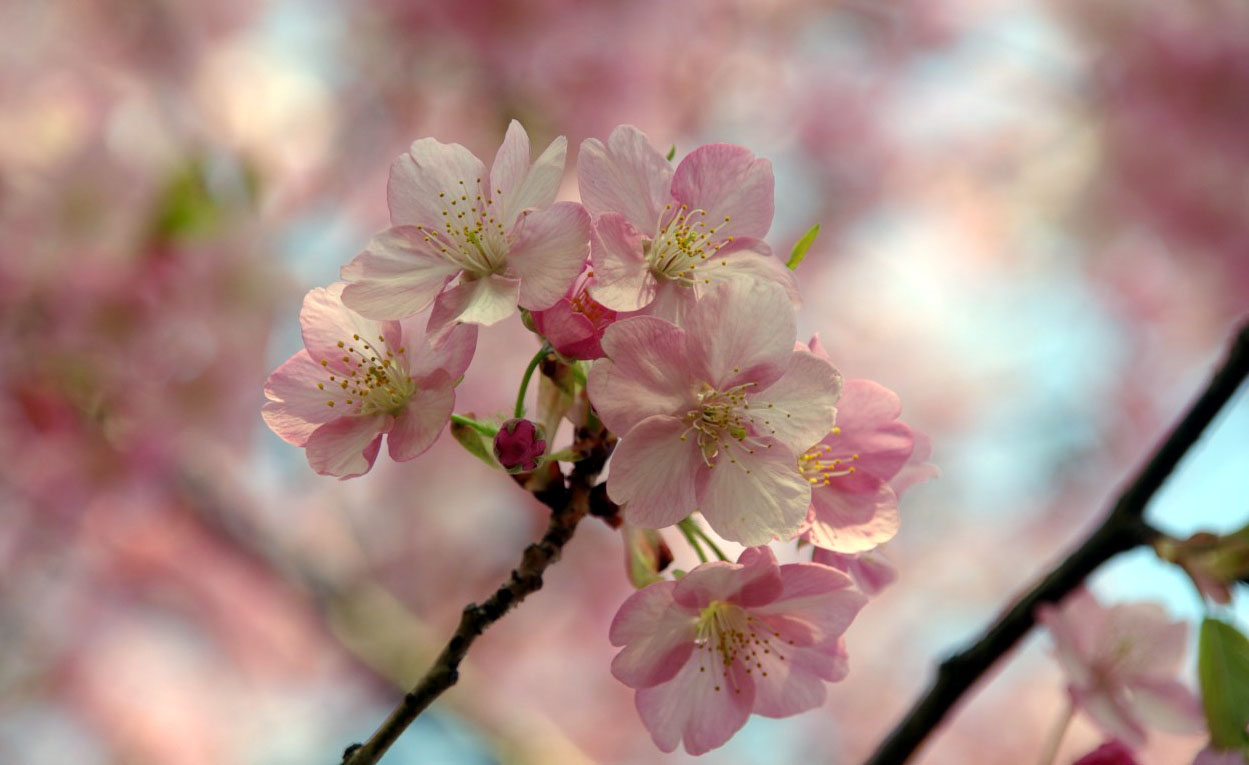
x: 519, y: 446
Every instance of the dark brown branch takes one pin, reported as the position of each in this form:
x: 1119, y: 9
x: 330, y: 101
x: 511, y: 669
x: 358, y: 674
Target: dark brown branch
x: 1123, y: 530
x: 568, y: 506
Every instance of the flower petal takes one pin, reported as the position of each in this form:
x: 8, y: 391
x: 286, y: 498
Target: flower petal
x: 515, y: 185
x: 653, y: 472
x: 702, y: 708
x: 756, y: 498
x: 296, y: 407
x: 871, y: 571
x: 658, y: 637
x: 326, y: 322
x: 448, y: 350
x: 801, y: 406
x: 642, y: 374
x: 853, y: 522
x: 1111, y: 715
x: 486, y: 301
x: 396, y: 275
x: 622, y: 277
x: 728, y: 182
x: 742, y: 332
x: 821, y: 597
x: 627, y: 176
x: 428, y: 169
x: 346, y: 447
x: 549, y: 252
x: 1167, y: 705
x: 754, y: 580
x: 748, y: 259
x: 420, y: 423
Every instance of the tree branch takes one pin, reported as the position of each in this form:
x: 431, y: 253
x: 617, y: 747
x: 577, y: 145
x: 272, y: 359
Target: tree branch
x: 568, y: 506
x: 1122, y: 530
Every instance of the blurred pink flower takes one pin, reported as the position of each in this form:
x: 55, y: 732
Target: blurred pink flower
x: 662, y: 237
x: 1121, y: 663
x: 1112, y: 752
x: 713, y: 416
x: 358, y: 379
x: 519, y: 445
x: 729, y: 639
x: 870, y: 569
x: 574, y: 326
x: 504, y: 236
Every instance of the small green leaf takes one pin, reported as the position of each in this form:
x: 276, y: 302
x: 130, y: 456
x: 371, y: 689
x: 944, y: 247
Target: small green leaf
x: 474, y: 442
x: 1223, y: 668
x: 672, y: 152
x: 800, y: 249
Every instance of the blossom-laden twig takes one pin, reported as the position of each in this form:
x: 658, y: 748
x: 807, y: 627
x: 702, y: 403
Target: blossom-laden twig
x: 569, y: 504
x: 1122, y: 530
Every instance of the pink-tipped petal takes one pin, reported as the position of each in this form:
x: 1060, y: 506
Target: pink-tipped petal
x: 871, y: 570
x: 822, y: 597
x: 703, y: 709
x: 657, y: 638
x: 626, y: 176
x: 752, y: 581
x: 642, y: 375
x: 296, y: 407
x: 515, y: 185
x: 756, y: 498
x: 484, y: 301
x: 728, y: 182
x: 651, y: 473
x: 419, y: 424
x: 549, y: 252
x: 622, y: 277
x: 396, y: 275
x: 741, y: 332
x: 326, y: 322
x: 430, y: 169
x: 346, y: 447
x: 449, y: 350
x: 853, y: 522
x: 802, y: 404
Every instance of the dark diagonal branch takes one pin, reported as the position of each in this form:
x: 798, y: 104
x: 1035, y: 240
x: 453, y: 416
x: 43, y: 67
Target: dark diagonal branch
x: 569, y: 504
x: 1123, y: 530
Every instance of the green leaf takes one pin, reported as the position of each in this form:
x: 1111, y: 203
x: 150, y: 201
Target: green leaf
x: 672, y: 152
x: 800, y: 249
x: 1223, y: 668
x: 474, y: 442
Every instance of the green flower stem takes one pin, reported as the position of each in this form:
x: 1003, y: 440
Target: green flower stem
x: 690, y: 530
x: 706, y: 538
x: 524, y: 381
x: 486, y: 430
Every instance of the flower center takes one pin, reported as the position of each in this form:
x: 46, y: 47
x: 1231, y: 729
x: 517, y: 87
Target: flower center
x: 725, y: 634
x: 820, y: 468
x: 471, y: 236
x: 376, y: 382
x: 723, y: 419
x: 683, y: 244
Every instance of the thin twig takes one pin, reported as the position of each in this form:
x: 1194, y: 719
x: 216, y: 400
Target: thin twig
x: 1122, y: 530
x: 568, y: 506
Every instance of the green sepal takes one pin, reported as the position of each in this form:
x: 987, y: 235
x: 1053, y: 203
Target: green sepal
x: 474, y: 442
x: 1223, y: 669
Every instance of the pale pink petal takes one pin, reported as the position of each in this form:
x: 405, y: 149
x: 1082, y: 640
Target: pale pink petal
x: 671, y: 301
x: 485, y: 301
x: 515, y: 185
x: 346, y: 447
x: 326, y: 322
x: 754, y: 580
x: 917, y: 469
x: 652, y: 473
x: 1111, y: 715
x: 702, y: 708
x: 867, y: 404
x: 853, y: 522
x: 296, y: 407
x: 822, y: 597
x: 658, y: 637
x: 756, y: 498
x: 397, y: 275
x: 449, y: 350
x: 783, y: 685
x: 748, y: 259
x: 1154, y: 643
x: 728, y: 182
x: 549, y: 252
x: 801, y: 407
x: 424, y: 182
x: 871, y: 571
x: 1076, y: 629
x: 642, y: 375
x: 1167, y: 705
x: 742, y: 332
x: 419, y: 424
x: 627, y: 176
x: 622, y: 276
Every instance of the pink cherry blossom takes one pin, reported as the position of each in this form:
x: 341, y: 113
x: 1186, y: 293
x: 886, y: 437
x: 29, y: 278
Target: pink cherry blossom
x: 574, y: 326
x: 358, y: 379
x: 504, y: 236
x: 662, y: 238
x: 714, y: 416
x: 730, y: 639
x: 1121, y: 663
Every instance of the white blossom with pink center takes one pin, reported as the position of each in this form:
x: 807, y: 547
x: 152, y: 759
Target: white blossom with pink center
x: 1121, y: 664
x: 358, y: 379
x: 729, y: 639
x: 504, y: 236
x: 662, y: 238
x: 713, y: 416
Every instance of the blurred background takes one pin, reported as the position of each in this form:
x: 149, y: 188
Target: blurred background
x: 1035, y: 229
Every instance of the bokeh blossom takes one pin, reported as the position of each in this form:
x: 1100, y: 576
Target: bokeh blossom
x: 729, y: 639
x: 357, y: 379
x: 1121, y: 664
x: 664, y: 237
x: 713, y: 416
x: 503, y: 235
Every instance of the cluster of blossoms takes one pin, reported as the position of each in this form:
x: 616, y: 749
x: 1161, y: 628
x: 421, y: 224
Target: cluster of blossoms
x: 660, y: 292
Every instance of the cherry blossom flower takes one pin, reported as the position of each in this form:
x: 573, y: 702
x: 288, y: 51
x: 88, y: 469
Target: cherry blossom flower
x: 664, y: 237
x: 729, y: 639
x: 504, y: 236
x: 714, y: 416
x: 358, y: 379
x: 1121, y: 663
x: 574, y: 326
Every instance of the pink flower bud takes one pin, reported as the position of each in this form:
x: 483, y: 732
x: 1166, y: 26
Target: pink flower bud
x: 519, y: 445
x: 1112, y: 752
